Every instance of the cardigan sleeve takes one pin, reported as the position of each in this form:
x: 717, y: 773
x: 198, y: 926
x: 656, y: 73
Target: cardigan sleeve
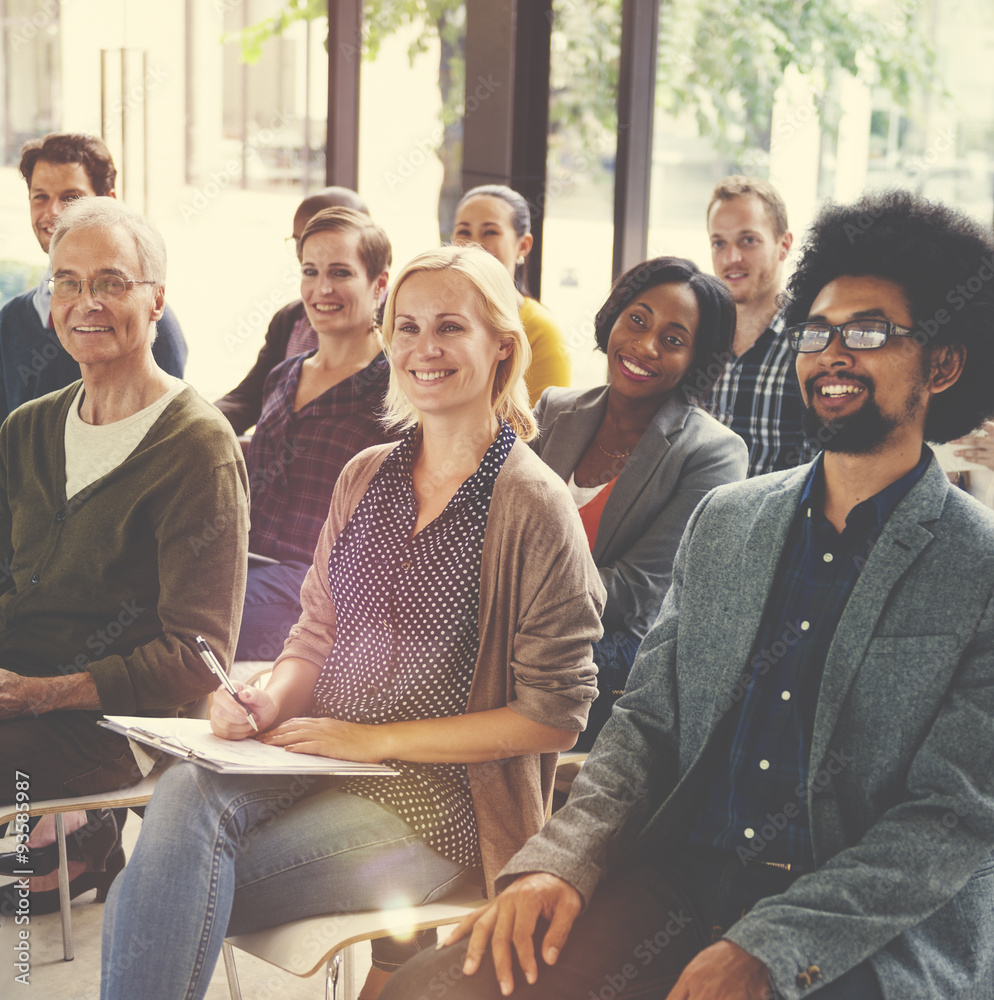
x: 545, y: 556
x: 201, y: 536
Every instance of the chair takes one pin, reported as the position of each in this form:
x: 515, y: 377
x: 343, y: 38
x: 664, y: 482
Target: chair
x: 133, y: 796
x: 301, y: 946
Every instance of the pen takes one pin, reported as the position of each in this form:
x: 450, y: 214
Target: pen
x: 207, y: 655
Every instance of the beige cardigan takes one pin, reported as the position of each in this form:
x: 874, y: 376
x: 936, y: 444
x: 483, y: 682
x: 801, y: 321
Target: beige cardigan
x: 540, y: 604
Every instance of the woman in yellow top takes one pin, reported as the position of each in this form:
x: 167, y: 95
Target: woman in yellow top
x: 499, y: 220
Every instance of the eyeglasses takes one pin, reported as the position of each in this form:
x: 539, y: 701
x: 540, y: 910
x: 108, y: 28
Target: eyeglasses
x: 857, y: 335
x: 110, y: 286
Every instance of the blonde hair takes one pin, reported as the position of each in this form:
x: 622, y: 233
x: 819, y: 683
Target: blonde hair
x: 499, y: 306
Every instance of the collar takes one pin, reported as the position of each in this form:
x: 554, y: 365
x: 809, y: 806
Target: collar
x: 876, y: 509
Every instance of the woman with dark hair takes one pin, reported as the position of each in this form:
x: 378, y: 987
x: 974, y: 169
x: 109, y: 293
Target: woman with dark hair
x: 637, y: 454
x: 319, y: 409
x: 498, y: 219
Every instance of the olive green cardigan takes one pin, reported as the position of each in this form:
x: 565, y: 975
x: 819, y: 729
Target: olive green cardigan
x: 117, y: 579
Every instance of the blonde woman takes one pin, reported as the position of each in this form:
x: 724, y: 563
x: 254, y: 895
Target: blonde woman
x: 447, y: 626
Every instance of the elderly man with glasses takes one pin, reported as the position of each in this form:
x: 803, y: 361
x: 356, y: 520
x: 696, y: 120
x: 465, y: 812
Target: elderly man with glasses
x: 795, y: 795
x: 123, y: 534
x: 60, y: 169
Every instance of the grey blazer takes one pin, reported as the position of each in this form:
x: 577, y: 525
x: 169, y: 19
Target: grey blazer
x: 901, y: 793
x: 682, y: 455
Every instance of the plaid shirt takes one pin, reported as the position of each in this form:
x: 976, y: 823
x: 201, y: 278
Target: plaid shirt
x: 757, y: 803
x: 758, y: 397
x: 294, y: 459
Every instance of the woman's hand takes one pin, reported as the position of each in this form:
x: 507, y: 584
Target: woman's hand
x: 331, y: 738
x: 978, y: 449
x: 228, y: 719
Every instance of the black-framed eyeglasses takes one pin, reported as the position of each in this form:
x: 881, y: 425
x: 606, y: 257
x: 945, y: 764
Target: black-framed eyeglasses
x: 108, y: 286
x: 857, y: 335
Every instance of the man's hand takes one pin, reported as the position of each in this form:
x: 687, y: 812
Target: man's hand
x: 723, y: 972
x: 23, y: 696
x: 511, y: 919
x: 20, y: 696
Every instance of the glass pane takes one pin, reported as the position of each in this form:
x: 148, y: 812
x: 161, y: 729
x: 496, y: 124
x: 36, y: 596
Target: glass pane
x: 826, y: 133
x: 579, y: 200
x: 275, y: 109
x: 410, y: 124
x: 29, y: 106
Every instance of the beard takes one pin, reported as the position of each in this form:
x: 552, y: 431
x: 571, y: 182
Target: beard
x: 860, y: 433
x: 866, y: 430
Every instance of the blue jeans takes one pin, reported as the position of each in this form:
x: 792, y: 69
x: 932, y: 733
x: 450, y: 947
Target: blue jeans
x: 224, y: 854
x: 270, y: 610
x: 614, y: 654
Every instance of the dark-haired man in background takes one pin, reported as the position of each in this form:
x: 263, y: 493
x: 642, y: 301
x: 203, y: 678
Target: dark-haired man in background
x: 59, y: 169
x: 757, y: 395
x: 795, y: 794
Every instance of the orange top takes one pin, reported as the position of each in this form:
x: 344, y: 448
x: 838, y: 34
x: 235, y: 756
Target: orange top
x: 590, y: 513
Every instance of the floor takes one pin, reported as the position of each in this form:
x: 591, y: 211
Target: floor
x: 50, y: 977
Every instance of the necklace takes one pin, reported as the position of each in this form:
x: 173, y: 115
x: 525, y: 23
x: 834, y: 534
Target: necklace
x: 611, y: 454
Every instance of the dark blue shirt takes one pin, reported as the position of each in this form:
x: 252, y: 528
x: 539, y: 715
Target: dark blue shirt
x: 757, y: 801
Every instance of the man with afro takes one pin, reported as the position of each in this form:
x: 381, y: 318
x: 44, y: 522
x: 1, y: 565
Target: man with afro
x: 795, y: 794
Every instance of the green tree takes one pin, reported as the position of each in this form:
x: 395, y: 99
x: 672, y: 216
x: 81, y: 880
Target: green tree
x: 722, y: 60
x: 725, y: 61
x: 444, y: 20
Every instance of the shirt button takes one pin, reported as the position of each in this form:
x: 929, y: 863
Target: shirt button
x: 828, y: 557
x: 764, y: 765
x: 749, y: 833
x: 61, y: 516
x: 805, y: 626
x: 36, y: 578
x: 405, y: 565
x: 785, y: 695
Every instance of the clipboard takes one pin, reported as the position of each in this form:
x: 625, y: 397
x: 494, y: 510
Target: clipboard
x: 192, y: 739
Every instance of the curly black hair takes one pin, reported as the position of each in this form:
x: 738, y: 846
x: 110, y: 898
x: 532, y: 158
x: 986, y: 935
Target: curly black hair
x: 944, y: 262
x: 715, y: 330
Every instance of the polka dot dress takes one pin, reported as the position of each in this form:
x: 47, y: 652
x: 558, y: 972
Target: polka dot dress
x: 407, y: 640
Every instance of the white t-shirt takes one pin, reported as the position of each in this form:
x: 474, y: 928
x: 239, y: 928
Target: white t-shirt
x: 93, y: 450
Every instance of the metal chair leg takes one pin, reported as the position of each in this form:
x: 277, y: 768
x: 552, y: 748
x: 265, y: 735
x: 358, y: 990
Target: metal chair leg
x: 332, y: 975
x: 64, y: 900
x: 234, y: 989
